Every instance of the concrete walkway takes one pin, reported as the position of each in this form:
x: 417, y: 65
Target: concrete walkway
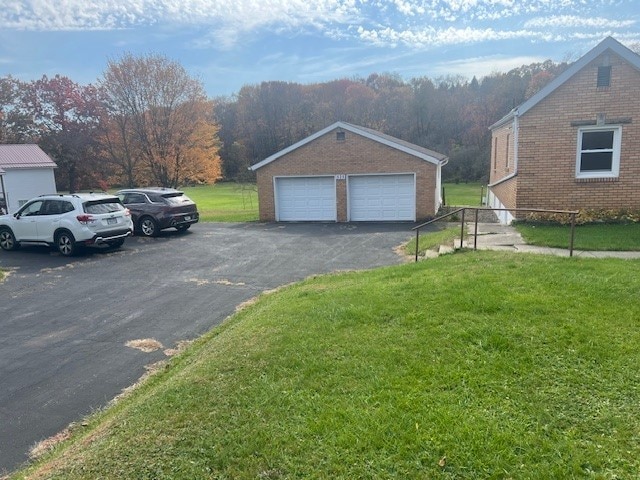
x: 493, y: 236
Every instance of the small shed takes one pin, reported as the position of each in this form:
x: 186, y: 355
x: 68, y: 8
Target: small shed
x: 25, y: 172
x: 348, y: 173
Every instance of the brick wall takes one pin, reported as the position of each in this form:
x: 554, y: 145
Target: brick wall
x: 548, y: 142
x: 354, y: 155
x: 502, y: 153
x: 506, y: 192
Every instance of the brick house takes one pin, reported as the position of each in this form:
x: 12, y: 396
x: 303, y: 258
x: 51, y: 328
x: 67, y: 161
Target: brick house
x: 347, y: 173
x: 576, y: 143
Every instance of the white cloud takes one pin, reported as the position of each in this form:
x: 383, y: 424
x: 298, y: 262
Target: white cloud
x: 223, y: 24
x: 113, y: 14
x: 432, y: 37
x: 483, y: 66
x: 571, y: 21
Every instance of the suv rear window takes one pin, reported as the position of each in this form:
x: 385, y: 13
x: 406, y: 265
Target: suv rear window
x: 98, y: 207
x: 176, y: 198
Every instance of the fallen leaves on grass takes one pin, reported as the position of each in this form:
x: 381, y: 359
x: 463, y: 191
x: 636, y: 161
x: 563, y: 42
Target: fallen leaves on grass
x: 146, y: 345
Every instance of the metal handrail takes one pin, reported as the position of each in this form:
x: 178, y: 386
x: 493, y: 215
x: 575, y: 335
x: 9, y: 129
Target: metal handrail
x: 572, y: 213
x: 418, y: 227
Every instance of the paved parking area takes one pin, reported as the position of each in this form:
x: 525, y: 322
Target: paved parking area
x: 64, y: 322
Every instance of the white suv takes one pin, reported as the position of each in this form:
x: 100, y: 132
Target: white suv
x: 67, y: 222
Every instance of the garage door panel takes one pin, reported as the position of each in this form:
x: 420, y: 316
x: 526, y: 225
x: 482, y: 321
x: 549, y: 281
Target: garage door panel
x: 306, y: 198
x: 382, y: 197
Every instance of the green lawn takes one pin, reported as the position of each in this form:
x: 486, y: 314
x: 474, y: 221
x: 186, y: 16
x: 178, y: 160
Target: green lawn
x: 477, y: 365
x: 433, y: 240
x: 463, y: 194
x: 225, y: 202
x: 233, y: 202
x: 621, y: 237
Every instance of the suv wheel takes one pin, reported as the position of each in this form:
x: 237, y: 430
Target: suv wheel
x: 66, y: 244
x: 148, y: 227
x: 8, y: 240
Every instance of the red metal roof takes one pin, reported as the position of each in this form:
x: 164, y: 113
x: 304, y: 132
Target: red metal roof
x: 24, y: 156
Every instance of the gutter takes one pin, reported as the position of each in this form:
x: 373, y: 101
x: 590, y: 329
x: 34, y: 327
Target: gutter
x: 502, y: 180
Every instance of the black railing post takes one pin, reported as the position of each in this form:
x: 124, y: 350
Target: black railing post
x: 573, y: 232
x: 462, y: 227
x: 417, y: 242
x: 475, y: 232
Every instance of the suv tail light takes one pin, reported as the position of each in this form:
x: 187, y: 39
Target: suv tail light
x: 127, y: 212
x: 85, y: 219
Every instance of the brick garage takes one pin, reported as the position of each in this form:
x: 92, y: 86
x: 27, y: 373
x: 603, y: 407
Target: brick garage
x: 541, y: 150
x: 349, y: 173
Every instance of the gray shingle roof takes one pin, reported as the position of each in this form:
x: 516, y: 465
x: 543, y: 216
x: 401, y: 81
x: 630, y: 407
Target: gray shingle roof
x: 23, y: 156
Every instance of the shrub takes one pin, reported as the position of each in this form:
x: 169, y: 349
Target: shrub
x: 585, y: 217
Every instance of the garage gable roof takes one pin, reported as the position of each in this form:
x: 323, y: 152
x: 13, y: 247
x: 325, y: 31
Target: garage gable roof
x: 415, y: 150
x: 24, y: 156
x: 608, y: 43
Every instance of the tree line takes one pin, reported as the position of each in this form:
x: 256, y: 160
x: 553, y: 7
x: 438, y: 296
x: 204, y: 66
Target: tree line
x: 147, y: 122
x: 450, y: 115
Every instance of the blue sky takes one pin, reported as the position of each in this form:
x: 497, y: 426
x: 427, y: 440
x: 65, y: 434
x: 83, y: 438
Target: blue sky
x: 229, y: 43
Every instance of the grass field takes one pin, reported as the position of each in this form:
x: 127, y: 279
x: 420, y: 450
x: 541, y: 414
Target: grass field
x: 477, y: 365
x: 463, y: 194
x: 433, y: 240
x: 233, y: 202
x: 225, y: 202
x: 621, y: 237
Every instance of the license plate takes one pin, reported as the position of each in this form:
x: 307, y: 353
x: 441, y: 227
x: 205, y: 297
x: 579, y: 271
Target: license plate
x: 112, y: 221
x: 187, y: 217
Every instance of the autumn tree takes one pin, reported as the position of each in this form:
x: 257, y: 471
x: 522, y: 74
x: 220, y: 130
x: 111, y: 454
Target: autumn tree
x: 450, y: 114
x: 161, y: 127
x: 16, y: 123
x: 66, y: 117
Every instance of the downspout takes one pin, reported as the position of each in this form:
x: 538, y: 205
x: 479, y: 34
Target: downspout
x: 438, y: 198
x: 4, y: 193
x: 516, y: 134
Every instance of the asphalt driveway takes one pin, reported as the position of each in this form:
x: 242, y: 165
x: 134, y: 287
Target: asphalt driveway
x: 64, y: 322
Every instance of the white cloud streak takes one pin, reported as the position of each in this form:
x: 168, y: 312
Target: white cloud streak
x: 483, y: 66
x: 384, y: 23
x: 431, y: 37
x: 572, y: 21
x: 115, y: 14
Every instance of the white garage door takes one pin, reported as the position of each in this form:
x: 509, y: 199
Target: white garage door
x: 306, y: 199
x: 382, y: 197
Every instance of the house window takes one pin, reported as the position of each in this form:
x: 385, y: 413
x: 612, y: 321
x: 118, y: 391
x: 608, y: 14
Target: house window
x: 340, y: 136
x: 495, y: 153
x: 598, y: 152
x: 604, y: 76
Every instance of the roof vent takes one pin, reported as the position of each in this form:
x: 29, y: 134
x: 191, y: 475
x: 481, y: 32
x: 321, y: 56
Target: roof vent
x: 604, y: 76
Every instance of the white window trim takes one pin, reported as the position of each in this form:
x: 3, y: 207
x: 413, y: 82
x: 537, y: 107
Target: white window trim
x: 615, y: 159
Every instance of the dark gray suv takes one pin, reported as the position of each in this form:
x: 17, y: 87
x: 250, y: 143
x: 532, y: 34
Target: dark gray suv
x: 155, y: 208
